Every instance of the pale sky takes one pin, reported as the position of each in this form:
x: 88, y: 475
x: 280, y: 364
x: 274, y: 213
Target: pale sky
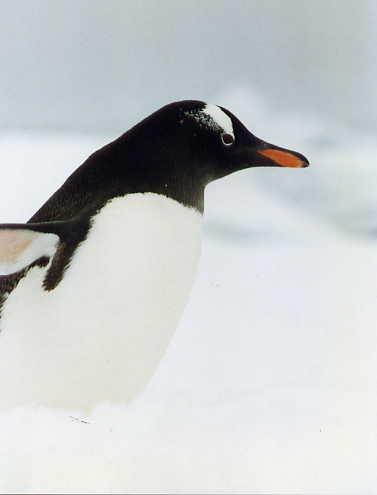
x: 92, y: 65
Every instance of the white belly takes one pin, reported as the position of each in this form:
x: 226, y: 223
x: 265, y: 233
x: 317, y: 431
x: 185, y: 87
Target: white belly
x: 100, y: 334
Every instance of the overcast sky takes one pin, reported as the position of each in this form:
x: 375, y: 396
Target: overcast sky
x: 92, y: 65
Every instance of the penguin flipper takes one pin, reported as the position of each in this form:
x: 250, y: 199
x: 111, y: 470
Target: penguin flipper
x: 22, y: 245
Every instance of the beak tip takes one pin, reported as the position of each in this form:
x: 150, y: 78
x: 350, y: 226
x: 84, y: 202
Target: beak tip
x: 305, y: 162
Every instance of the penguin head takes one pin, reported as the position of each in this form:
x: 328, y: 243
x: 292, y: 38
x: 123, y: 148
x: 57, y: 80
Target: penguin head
x: 207, y: 142
x: 176, y: 151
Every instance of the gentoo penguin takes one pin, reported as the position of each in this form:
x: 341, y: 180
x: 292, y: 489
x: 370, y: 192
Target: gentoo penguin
x: 93, y: 286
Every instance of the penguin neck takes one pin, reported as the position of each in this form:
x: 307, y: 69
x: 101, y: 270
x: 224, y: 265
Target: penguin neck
x: 165, y: 172
x: 119, y: 169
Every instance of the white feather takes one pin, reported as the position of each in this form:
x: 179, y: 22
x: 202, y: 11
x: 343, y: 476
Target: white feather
x: 219, y: 117
x: 100, y: 334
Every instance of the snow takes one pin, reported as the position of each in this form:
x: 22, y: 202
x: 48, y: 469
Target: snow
x: 269, y: 383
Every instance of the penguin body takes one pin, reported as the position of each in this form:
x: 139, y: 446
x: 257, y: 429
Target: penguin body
x: 98, y: 336
x: 93, y: 286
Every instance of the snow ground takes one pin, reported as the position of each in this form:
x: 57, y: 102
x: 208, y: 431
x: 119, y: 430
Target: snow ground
x: 270, y: 382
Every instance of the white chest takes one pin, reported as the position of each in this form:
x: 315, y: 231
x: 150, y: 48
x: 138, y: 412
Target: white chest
x: 100, y: 334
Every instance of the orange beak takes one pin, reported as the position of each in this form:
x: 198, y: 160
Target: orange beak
x: 284, y: 158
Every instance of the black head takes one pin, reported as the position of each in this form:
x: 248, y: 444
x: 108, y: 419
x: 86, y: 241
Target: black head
x: 176, y: 151
x: 185, y: 145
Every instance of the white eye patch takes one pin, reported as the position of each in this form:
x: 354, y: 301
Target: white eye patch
x: 220, y: 118
x: 213, y: 117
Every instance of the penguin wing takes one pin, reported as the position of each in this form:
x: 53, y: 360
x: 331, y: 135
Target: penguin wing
x: 22, y: 245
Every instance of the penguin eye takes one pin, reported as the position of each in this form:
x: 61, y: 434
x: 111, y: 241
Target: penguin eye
x: 227, y: 139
